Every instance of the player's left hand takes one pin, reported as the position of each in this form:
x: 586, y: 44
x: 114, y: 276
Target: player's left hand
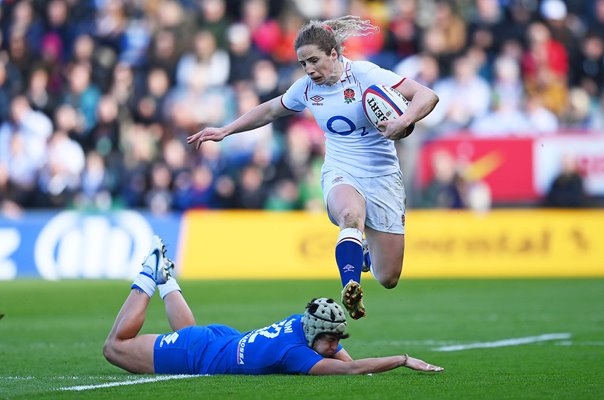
x: 420, y: 365
x: 395, y: 130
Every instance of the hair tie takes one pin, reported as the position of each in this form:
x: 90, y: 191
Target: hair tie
x: 328, y: 28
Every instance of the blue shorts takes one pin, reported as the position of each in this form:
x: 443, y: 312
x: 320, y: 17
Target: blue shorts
x: 174, y: 353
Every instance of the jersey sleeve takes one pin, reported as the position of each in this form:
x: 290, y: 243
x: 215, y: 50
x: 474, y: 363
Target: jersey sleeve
x: 299, y: 360
x: 295, y: 97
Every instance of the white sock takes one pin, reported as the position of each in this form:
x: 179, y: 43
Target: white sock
x: 145, y: 283
x: 166, y: 288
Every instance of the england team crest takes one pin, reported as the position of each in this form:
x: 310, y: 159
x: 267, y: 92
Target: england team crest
x: 349, y: 96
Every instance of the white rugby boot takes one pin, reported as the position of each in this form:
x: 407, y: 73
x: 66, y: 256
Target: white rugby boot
x: 156, y: 264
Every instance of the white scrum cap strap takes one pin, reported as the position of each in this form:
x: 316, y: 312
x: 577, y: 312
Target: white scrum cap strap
x: 323, y: 315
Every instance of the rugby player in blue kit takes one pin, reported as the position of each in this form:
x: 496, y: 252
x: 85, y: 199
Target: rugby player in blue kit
x: 306, y: 343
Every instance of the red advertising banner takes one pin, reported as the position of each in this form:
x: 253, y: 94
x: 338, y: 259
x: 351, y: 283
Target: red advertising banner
x: 505, y: 165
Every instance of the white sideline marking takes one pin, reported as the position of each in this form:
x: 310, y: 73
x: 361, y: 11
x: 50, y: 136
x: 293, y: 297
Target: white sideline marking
x: 126, y: 383
x: 506, y: 342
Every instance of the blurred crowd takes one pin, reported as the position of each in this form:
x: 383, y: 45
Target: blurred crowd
x: 97, y: 97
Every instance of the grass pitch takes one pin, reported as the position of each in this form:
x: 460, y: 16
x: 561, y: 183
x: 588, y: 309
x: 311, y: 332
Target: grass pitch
x: 52, y: 333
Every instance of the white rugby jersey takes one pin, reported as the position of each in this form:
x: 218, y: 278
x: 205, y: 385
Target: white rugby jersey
x: 352, y: 143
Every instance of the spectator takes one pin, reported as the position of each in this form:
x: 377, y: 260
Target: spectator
x: 60, y: 177
x: 242, y: 55
x: 250, y: 191
x: 85, y: 52
x: 239, y: 149
x: 110, y: 23
x: 422, y: 67
x: 195, y: 189
x: 104, y: 137
x: 540, y: 119
x: 505, y: 116
x: 545, y: 67
x: 213, y: 17
x: 97, y: 184
x: 164, y: 53
x: 33, y: 127
x: 566, y: 190
x: 265, y: 31
x: 37, y: 92
x: 488, y: 27
x: 205, y: 53
x: 159, y: 198
x: 447, y: 188
x: 189, y: 106
x: 403, y: 35
x: 20, y: 57
x: 577, y: 114
x: 559, y: 22
x: 266, y: 80
x: 123, y: 90
x: 68, y: 120
x: 26, y: 27
x: 151, y: 103
x: 138, y: 145
x: 61, y: 26
x: 82, y: 94
x: 463, y: 97
x: 588, y: 67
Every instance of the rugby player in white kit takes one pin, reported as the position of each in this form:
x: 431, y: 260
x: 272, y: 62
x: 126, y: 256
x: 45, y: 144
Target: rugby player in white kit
x: 361, y: 176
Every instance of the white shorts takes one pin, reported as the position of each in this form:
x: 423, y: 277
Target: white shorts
x: 384, y: 198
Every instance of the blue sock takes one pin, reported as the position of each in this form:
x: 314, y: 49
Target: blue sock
x: 367, y: 258
x: 349, y: 255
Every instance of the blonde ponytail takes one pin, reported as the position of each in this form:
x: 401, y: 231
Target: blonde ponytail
x: 331, y: 33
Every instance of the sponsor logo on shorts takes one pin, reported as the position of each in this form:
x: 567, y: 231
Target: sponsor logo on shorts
x: 169, y: 339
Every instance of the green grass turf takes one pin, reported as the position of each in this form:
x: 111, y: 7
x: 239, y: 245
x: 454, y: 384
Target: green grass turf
x: 52, y: 333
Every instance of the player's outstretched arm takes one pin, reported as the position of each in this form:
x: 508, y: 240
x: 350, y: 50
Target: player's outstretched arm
x: 330, y: 366
x: 258, y: 116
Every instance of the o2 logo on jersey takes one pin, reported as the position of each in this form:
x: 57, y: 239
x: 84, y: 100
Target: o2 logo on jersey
x: 340, y: 125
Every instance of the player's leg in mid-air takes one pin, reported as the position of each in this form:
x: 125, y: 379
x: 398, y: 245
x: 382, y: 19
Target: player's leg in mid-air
x: 346, y: 208
x: 385, y: 228
x: 123, y: 347
x: 386, y: 254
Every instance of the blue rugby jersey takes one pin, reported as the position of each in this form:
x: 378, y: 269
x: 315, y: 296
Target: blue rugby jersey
x: 279, y: 348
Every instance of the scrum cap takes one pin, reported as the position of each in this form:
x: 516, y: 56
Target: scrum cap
x: 323, y: 315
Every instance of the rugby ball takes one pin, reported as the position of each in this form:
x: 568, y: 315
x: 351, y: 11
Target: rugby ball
x: 383, y: 103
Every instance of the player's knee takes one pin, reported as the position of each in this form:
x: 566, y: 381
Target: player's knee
x: 389, y: 282
x: 109, y: 350
x: 350, y: 217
